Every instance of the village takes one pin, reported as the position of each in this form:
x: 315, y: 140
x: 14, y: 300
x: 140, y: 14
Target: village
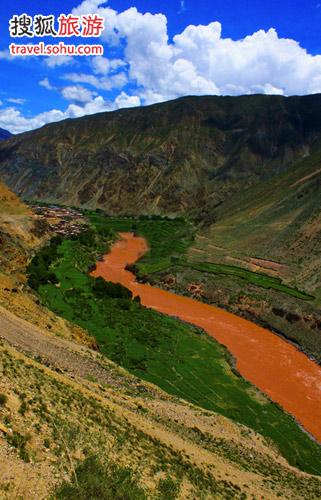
x: 64, y: 221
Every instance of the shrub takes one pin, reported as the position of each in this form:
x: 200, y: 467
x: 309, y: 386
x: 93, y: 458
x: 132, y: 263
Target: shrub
x: 102, y: 288
x: 87, y: 238
x: 39, y: 268
x: 94, y: 481
x: 46, y: 443
x: 23, y: 408
x: 19, y: 441
x: 3, y: 399
x: 168, y: 488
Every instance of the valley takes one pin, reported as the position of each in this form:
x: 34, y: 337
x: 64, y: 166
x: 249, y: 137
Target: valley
x: 126, y: 333
x: 63, y: 403
x: 160, y: 325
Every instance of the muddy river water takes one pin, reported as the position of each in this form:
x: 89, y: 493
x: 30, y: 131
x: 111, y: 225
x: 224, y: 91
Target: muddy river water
x: 272, y: 364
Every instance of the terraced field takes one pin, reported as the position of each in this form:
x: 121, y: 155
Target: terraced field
x: 258, y: 279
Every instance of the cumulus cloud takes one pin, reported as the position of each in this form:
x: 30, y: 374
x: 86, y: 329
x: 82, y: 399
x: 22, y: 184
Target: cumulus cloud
x: 199, y: 60
x: 127, y: 101
x: 102, y: 65
x: 13, y: 120
x: 77, y: 93
x: 104, y: 83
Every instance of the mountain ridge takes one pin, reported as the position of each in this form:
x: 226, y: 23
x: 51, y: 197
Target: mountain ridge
x: 172, y: 153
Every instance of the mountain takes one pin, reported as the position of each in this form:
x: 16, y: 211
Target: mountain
x: 187, y: 155
x: 249, y: 164
x: 245, y: 163
x: 4, y: 134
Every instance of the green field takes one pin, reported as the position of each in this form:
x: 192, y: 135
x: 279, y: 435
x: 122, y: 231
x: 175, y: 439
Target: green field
x: 258, y: 279
x: 168, y: 243
x: 177, y: 357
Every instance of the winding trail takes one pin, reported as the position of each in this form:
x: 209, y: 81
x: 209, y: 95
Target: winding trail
x: 276, y: 367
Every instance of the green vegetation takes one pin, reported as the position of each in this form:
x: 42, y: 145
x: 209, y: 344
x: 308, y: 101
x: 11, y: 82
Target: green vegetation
x: 95, y: 481
x: 3, y: 399
x: 19, y: 441
x: 167, y: 238
x: 39, y: 269
x: 177, y: 357
x: 169, y: 241
x: 53, y: 419
x: 258, y: 279
x: 168, y: 489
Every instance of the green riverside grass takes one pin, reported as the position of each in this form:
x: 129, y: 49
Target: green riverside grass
x: 177, y: 357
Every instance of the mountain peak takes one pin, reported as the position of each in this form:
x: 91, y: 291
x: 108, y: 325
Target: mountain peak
x: 4, y: 134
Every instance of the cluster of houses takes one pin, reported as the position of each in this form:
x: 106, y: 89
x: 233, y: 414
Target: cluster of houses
x: 194, y: 289
x: 64, y: 221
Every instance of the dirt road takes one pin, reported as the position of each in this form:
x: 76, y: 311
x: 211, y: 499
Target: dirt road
x: 67, y: 356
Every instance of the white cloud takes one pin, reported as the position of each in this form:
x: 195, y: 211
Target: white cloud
x: 16, y: 100
x: 55, y: 61
x: 126, y: 101
x: 97, y: 105
x: 109, y: 15
x: 201, y: 61
x: 46, y: 84
x: 102, y: 65
x: 13, y: 120
x: 5, y: 54
x: 182, y: 7
x: 116, y: 81
x: 77, y: 93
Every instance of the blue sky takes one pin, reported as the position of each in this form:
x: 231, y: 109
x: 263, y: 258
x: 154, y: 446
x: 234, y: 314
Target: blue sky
x: 193, y: 47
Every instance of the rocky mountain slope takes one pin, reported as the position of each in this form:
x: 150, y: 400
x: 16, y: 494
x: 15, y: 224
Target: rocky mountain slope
x: 18, y: 232
x: 62, y: 404
x: 21, y: 234
x: 246, y: 168
x: 187, y: 155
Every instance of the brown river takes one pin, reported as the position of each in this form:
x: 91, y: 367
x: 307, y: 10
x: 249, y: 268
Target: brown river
x: 276, y: 367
